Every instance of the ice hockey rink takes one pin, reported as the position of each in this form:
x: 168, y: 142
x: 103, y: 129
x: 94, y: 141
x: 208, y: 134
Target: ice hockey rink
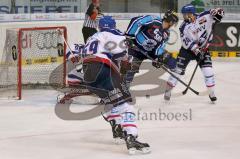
x: 30, y: 128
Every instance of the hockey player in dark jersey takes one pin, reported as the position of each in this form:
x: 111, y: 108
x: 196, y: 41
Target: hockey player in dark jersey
x: 196, y: 34
x: 149, y: 36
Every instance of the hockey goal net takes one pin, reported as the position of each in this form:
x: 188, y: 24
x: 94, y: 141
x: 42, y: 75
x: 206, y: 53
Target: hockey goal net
x: 32, y: 58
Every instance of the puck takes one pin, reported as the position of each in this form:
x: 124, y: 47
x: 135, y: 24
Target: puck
x: 147, y: 96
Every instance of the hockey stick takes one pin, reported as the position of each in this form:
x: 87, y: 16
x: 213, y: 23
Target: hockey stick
x: 195, y: 69
x: 207, y: 45
x: 80, y: 92
x: 65, y: 41
x: 188, y: 86
x: 166, y: 69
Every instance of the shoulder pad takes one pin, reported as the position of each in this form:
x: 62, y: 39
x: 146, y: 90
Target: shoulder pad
x: 203, y: 13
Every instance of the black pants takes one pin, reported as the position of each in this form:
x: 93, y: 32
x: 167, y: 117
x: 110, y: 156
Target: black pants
x: 88, y: 32
x: 138, y: 58
x: 105, y: 83
x: 185, y: 56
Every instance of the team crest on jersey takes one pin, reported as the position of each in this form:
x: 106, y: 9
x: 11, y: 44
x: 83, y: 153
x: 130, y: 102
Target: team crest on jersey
x: 149, y: 44
x: 201, y: 28
x: 158, y: 35
x: 203, y: 20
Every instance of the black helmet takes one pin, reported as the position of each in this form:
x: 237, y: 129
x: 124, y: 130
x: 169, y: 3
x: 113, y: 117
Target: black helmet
x: 171, y: 16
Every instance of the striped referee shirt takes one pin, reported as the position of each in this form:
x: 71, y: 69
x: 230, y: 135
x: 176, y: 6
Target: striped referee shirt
x: 89, y: 22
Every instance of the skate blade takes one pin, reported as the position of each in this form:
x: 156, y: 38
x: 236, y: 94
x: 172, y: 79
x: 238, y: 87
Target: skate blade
x: 119, y: 141
x: 213, y: 102
x: 133, y: 151
x: 166, y: 98
x: 60, y: 99
x: 167, y: 102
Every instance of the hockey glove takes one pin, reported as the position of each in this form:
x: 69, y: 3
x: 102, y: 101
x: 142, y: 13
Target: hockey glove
x: 129, y: 41
x: 199, y: 54
x: 126, y: 66
x: 165, y: 59
x: 158, y: 62
x: 74, y: 58
x: 217, y: 14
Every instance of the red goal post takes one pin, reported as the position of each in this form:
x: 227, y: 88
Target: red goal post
x: 31, y: 56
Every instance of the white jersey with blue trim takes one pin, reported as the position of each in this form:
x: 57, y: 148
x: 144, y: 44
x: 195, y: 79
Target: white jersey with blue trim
x: 199, y: 33
x: 107, y: 44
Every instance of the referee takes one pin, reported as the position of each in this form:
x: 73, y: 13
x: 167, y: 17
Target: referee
x: 91, y: 22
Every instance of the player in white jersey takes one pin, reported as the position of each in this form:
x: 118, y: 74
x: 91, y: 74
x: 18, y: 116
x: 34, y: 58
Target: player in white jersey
x: 196, y: 34
x: 103, y: 55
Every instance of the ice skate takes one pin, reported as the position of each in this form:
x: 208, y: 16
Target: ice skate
x: 167, y: 94
x: 213, y: 97
x: 117, y: 131
x: 133, y: 145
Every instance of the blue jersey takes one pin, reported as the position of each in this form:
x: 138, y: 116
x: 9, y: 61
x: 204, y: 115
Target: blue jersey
x: 149, y: 35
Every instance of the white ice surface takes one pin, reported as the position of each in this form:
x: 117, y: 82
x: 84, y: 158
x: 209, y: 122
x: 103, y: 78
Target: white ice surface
x: 29, y: 129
